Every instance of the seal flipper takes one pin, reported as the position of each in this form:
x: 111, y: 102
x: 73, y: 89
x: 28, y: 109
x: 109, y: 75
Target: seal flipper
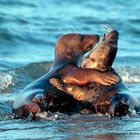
x: 119, y: 109
x: 83, y: 77
x: 119, y: 106
x: 77, y: 92
x: 30, y: 117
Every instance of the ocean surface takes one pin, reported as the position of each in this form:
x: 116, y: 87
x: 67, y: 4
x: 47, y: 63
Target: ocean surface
x: 28, y: 32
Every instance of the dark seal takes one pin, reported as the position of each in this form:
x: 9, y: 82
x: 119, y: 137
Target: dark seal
x: 68, y: 53
x: 116, y: 99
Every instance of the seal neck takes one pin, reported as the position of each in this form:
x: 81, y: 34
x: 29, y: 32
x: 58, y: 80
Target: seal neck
x: 73, y: 60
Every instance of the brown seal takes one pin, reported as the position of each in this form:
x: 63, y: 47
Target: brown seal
x: 68, y: 52
x: 115, y: 99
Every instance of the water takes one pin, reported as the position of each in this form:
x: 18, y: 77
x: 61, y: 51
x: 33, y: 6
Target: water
x: 28, y: 32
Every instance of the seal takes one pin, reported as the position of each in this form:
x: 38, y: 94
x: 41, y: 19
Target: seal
x: 68, y: 53
x: 116, y: 99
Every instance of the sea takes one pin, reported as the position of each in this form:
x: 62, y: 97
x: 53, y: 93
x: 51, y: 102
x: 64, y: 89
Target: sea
x: 29, y: 30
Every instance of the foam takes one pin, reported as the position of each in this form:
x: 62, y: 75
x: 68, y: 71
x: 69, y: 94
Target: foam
x: 6, y: 79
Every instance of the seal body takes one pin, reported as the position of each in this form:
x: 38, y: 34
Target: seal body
x: 116, y: 99
x: 68, y: 52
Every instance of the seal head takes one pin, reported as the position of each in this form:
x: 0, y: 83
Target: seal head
x: 71, y: 47
x: 103, y: 56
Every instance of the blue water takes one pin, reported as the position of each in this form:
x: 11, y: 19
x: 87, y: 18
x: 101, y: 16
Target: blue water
x: 28, y: 32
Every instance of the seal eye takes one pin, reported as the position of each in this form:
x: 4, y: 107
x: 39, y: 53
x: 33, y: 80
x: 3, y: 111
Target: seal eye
x: 88, y: 48
x: 75, y: 39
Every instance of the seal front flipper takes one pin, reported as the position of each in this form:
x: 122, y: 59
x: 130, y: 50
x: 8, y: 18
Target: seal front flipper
x: 83, y: 77
x: 119, y: 109
x: 57, y: 83
x: 120, y: 105
x: 30, y: 117
x: 28, y: 111
x: 77, y: 92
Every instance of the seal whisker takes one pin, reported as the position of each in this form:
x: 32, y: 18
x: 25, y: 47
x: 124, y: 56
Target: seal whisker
x: 107, y: 27
x: 74, y: 29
